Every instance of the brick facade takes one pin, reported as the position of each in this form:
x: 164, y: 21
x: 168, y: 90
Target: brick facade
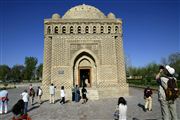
x: 84, y: 39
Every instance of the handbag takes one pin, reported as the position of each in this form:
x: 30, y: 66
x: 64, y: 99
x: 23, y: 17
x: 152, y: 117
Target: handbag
x: 116, y: 114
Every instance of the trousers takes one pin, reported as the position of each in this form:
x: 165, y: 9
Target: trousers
x: 148, y: 103
x: 3, y: 106
x: 52, y: 97
x: 168, y: 110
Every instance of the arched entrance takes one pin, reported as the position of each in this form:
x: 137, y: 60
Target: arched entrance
x: 84, y: 70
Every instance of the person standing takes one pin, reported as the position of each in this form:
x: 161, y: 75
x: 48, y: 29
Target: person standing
x: 122, y: 105
x: 30, y: 86
x: 168, y: 107
x: 52, y: 93
x: 73, y: 94
x: 32, y: 94
x: 3, y: 101
x: 148, y: 98
x: 84, y: 97
x: 77, y: 94
x: 62, y: 95
x: 39, y: 94
x: 25, y: 98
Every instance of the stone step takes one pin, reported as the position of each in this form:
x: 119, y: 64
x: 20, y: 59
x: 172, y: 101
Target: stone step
x: 92, y: 94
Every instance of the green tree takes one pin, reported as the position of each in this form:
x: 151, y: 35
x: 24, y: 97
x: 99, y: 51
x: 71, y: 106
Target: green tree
x: 30, y: 67
x: 4, y: 72
x: 17, y: 72
x: 39, y: 71
x: 174, y: 61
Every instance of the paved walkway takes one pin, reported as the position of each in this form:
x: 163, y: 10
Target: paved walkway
x: 94, y: 110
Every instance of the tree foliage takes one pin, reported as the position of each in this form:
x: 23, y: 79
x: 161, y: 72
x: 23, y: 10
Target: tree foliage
x: 4, y: 72
x: 30, y: 67
x: 39, y: 71
x: 17, y: 72
x: 174, y: 61
x: 150, y: 71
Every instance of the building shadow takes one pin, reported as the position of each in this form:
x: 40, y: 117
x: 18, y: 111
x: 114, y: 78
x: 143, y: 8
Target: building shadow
x: 141, y: 106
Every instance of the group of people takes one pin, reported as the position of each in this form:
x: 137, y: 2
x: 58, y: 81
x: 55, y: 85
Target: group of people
x: 20, y: 109
x: 76, y: 94
x: 76, y: 97
x: 168, y: 105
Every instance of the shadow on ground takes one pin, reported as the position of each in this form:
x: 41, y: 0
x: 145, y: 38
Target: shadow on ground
x: 34, y: 107
x: 141, y: 106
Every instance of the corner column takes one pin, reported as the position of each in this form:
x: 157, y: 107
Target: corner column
x: 47, y: 66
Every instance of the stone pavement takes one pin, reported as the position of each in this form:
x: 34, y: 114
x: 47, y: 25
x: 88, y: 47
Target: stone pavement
x: 93, y: 110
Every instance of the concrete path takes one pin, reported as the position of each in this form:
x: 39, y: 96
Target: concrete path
x: 93, y: 110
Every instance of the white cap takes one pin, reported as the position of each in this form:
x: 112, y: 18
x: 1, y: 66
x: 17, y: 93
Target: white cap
x: 170, y: 69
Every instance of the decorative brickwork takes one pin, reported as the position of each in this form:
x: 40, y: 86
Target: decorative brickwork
x: 84, y: 44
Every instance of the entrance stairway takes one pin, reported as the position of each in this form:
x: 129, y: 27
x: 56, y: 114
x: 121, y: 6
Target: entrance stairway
x: 92, y: 94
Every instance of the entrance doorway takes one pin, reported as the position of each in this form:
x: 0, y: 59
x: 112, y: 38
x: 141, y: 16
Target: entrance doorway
x: 84, y: 77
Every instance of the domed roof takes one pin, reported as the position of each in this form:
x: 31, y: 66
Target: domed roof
x: 111, y: 16
x: 84, y: 12
x: 55, y: 16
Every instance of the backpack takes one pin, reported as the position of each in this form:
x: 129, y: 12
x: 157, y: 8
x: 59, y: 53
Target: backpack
x: 18, y: 108
x: 172, y: 91
x: 32, y: 92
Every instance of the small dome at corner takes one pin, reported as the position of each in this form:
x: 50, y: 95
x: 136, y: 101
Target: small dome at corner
x: 111, y: 16
x: 55, y: 16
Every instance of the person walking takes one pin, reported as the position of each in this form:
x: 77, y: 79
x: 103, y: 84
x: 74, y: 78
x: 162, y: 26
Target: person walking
x: 168, y: 107
x: 3, y: 101
x: 122, y: 105
x: 52, y: 93
x: 25, y: 98
x: 84, y: 97
x: 39, y: 94
x: 62, y: 95
x: 148, y: 98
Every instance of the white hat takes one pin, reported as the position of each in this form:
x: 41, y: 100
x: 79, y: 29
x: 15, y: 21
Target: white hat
x: 170, y: 69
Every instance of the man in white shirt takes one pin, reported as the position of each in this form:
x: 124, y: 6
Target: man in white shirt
x: 25, y: 98
x: 3, y: 101
x: 52, y: 93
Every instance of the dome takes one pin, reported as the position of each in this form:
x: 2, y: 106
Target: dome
x: 55, y: 16
x: 84, y: 12
x: 111, y: 16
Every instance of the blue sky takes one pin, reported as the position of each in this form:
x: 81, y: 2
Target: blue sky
x: 151, y: 28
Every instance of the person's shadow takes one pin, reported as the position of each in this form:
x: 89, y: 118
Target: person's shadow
x: 34, y: 107
x: 135, y: 119
x: 141, y: 106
